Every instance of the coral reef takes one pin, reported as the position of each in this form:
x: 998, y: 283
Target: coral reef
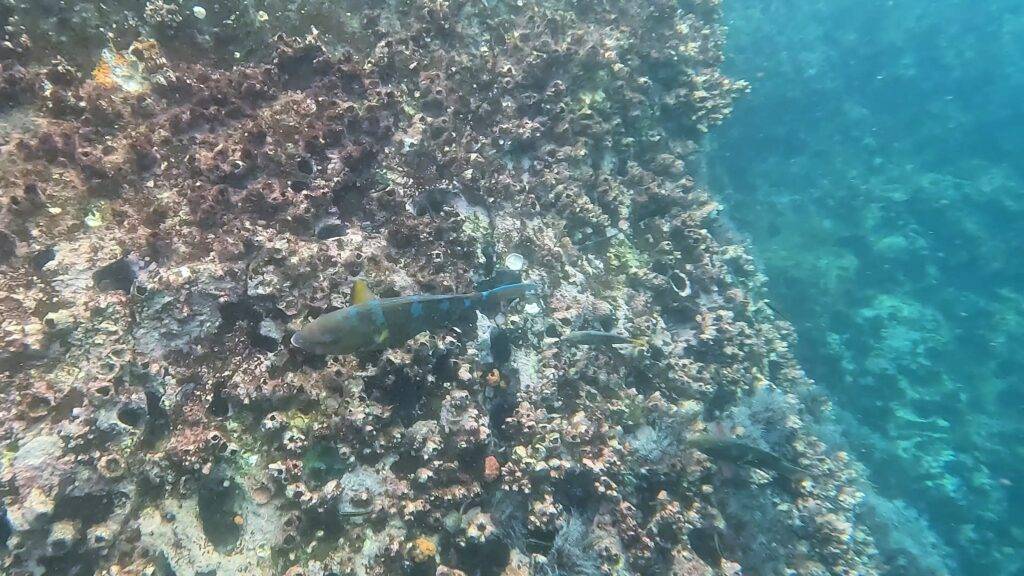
x: 172, y: 222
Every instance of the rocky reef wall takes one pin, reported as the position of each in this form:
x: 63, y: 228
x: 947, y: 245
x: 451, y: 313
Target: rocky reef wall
x: 184, y: 187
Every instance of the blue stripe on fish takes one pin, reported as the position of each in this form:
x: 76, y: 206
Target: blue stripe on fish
x: 377, y: 313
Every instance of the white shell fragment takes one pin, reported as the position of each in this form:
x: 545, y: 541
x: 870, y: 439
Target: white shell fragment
x: 515, y: 262
x: 199, y: 12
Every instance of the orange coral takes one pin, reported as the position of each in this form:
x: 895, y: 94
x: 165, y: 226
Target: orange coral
x: 148, y: 52
x: 103, y: 75
x: 422, y: 550
x: 492, y: 469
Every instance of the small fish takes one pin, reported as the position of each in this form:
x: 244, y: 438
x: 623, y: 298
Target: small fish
x: 372, y: 323
x: 354, y: 513
x: 739, y: 452
x: 598, y: 338
x: 501, y: 277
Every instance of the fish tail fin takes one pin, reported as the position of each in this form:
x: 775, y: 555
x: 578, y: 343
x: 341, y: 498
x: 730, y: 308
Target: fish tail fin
x: 786, y: 469
x: 507, y: 292
x: 793, y: 472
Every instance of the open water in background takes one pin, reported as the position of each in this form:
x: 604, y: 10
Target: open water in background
x: 877, y: 168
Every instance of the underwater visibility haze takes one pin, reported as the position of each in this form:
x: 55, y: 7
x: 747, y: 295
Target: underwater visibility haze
x: 875, y: 168
x: 509, y: 288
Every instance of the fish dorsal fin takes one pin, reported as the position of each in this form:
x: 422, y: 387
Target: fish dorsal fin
x: 361, y: 292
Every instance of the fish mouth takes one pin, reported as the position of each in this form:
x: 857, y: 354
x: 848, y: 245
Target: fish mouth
x: 296, y: 340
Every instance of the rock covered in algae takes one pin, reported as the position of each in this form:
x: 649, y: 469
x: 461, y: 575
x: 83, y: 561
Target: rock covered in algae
x: 163, y: 239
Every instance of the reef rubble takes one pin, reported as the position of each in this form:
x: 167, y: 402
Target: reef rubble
x: 170, y: 220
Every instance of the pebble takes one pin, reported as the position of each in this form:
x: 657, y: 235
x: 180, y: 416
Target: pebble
x: 199, y: 12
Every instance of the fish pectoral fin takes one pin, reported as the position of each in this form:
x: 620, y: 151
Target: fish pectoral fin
x: 383, y: 336
x: 361, y: 292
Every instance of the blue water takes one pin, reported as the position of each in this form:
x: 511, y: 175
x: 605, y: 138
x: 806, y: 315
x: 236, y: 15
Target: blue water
x: 875, y: 167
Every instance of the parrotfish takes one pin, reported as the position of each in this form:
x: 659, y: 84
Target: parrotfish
x: 372, y: 323
x: 739, y: 452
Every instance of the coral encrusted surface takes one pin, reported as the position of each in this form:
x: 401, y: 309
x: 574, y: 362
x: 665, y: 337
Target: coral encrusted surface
x: 183, y: 188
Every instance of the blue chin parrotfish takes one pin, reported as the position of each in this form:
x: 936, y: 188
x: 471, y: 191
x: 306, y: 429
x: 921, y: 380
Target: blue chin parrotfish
x: 372, y: 323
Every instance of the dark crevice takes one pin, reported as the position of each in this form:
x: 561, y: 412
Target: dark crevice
x: 218, y: 502
x: 158, y: 425
x: 219, y: 406
x: 42, y: 258
x: 132, y: 415
x: 5, y: 528
x: 118, y: 275
x: 89, y: 509
x: 706, y: 543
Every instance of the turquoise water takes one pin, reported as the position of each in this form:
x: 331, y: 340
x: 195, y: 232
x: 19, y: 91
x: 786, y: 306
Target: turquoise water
x: 875, y: 168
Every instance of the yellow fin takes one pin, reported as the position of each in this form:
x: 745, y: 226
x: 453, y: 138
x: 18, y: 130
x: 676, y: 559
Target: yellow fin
x: 361, y: 292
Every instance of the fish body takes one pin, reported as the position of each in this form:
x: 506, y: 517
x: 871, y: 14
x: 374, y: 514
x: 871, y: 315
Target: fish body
x: 354, y: 513
x: 598, y: 338
x: 741, y: 453
x: 378, y: 323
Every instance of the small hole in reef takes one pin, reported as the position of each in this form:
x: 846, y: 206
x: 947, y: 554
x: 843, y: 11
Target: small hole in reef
x: 131, y: 415
x: 118, y: 275
x: 501, y: 346
x: 42, y: 258
x: 219, y: 407
x: 405, y: 465
x: 705, y: 543
x: 218, y: 500
x: 38, y: 404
